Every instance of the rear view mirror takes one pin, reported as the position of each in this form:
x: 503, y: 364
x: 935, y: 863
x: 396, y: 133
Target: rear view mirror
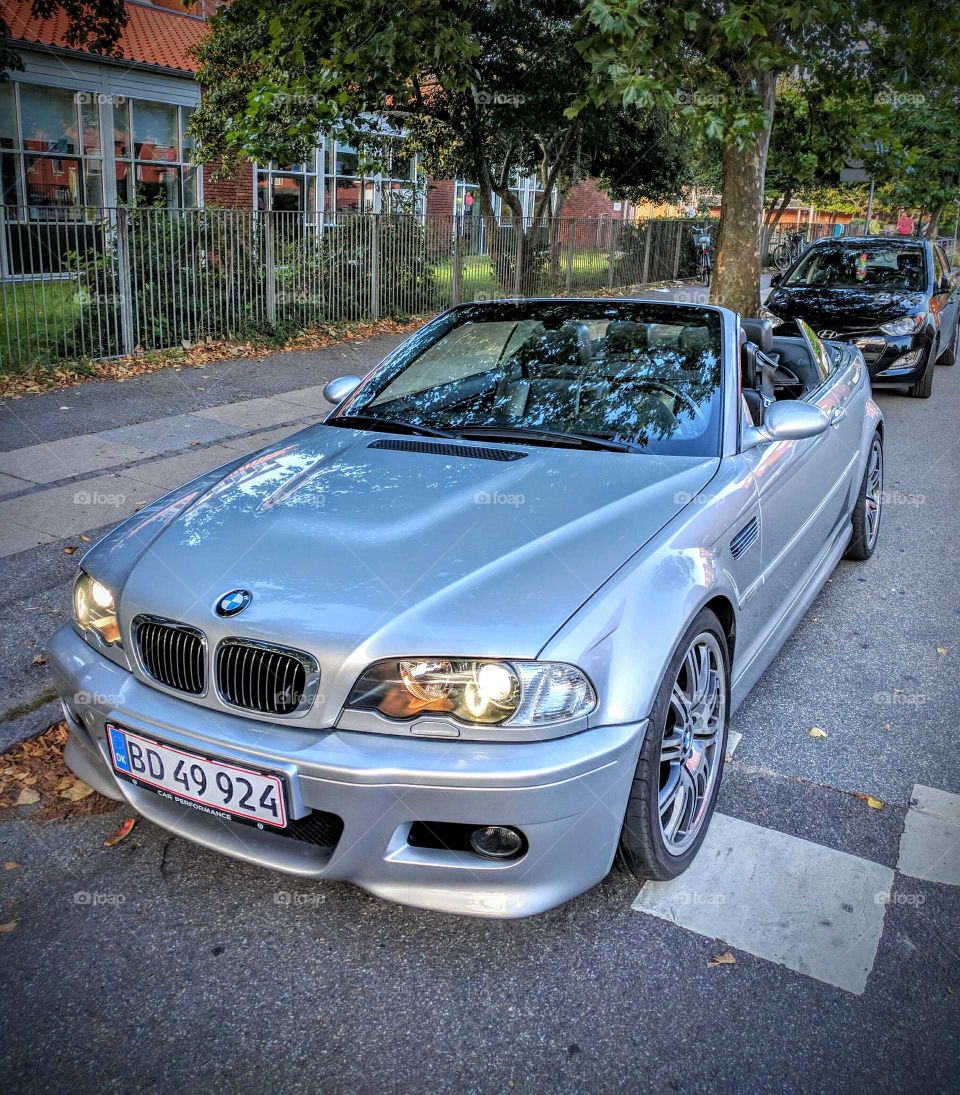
x: 338, y: 390
x: 775, y: 281
x: 786, y: 420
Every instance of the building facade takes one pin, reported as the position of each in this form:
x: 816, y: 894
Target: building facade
x: 79, y: 130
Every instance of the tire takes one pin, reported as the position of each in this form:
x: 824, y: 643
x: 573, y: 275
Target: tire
x: 949, y: 355
x: 648, y: 849
x: 869, y: 505
x: 922, y: 388
x: 781, y: 256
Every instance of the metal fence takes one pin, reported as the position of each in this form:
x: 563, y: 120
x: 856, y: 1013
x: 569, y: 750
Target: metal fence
x: 86, y: 284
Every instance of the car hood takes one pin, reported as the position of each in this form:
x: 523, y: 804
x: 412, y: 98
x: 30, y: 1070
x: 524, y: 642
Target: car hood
x: 345, y: 544
x: 828, y: 306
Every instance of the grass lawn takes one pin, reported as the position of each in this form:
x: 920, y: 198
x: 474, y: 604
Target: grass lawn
x: 33, y: 317
x: 589, y: 272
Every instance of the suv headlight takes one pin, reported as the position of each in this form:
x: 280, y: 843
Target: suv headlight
x: 94, y: 609
x: 475, y: 690
x: 906, y: 325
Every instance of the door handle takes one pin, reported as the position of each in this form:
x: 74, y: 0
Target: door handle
x: 838, y: 415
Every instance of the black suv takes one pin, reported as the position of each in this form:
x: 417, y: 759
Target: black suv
x: 896, y: 298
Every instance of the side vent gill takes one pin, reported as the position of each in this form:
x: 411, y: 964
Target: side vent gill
x: 446, y: 448
x: 745, y: 537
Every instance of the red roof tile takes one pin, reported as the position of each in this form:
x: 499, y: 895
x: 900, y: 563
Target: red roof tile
x: 152, y: 36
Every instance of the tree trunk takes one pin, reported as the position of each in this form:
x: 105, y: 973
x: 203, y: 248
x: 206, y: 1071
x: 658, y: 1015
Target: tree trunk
x: 933, y: 226
x: 771, y: 225
x: 736, y: 283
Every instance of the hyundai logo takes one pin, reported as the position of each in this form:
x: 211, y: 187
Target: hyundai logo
x: 829, y: 334
x: 233, y: 602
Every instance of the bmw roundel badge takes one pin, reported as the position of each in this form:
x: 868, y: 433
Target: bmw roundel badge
x: 233, y: 602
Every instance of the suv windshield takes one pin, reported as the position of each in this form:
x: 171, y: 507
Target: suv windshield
x: 862, y: 264
x: 644, y: 375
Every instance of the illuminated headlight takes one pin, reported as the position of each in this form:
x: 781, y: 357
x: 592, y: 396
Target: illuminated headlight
x: 94, y: 608
x: 476, y: 690
x: 906, y: 325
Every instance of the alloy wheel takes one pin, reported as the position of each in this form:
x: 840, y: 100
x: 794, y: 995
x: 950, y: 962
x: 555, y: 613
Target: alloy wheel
x: 873, y: 495
x: 690, y: 749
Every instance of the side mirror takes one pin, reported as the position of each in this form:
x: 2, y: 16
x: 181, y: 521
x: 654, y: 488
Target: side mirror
x: 787, y: 420
x: 946, y: 285
x: 338, y: 390
x: 775, y: 280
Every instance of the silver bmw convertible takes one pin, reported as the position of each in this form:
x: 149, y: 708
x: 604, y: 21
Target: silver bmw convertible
x: 483, y: 629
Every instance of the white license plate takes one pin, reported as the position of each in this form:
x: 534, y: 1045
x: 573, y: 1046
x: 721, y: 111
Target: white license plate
x: 211, y: 786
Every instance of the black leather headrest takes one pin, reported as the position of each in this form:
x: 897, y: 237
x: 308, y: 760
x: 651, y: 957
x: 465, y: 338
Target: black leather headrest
x: 625, y: 335
x: 760, y: 333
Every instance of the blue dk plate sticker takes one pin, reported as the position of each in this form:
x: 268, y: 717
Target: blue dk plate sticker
x: 118, y: 743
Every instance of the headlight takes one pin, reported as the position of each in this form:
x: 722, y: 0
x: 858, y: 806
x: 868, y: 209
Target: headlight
x: 94, y: 608
x: 475, y: 690
x: 906, y: 325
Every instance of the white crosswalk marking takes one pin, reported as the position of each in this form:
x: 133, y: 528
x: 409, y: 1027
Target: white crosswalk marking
x: 930, y: 844
x: 810, y: 908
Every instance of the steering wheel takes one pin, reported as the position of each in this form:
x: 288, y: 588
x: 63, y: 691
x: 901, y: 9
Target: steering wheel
x: 695, y: 409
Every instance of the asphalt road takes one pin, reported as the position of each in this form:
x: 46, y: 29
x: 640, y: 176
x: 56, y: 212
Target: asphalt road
x: 157, y: 965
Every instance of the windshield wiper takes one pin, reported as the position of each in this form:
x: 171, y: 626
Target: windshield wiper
x: 396, y: 425
x: 548, y: 437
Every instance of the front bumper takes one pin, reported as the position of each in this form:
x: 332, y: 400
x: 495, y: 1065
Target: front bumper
x: 885, y: 356
x: 567, y: 795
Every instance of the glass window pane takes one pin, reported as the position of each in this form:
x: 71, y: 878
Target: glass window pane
x: 348, y: 162
x: 345, y: 195
x: 123, y: 182
x: 287, y: 193
x: 121, y: 130
x: 190, y: 187
x: 158, y: 184
x: 90, y: 124
x: 8, y: 178
x: 155, y: 135
x: 185, y: 113
x: 8, y: 115
x: 48, y: 116
x: 52, y: 181
x: 263, y: 191
x: 93, y: 182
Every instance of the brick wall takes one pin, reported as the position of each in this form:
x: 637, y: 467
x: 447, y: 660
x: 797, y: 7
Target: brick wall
x: 236, y: 191
x: 586, y: 199
x: 440, y: 197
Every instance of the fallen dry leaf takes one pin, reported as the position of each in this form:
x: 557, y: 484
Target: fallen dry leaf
x: 38, y: 659
x: 873, y: 803
x: 27, y: 797
x: 725, y: 958
x: 11, y: 865
x: 77, y: 791
x: 6, y: 929
x: 69, y: 549
x: 816, y: 732
x: 120, y: 834
x: 942, y: 651
x: 85, y: 539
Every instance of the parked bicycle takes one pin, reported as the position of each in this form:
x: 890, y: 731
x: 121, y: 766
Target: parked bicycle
x: 703, y: 244
x: 787, y: 250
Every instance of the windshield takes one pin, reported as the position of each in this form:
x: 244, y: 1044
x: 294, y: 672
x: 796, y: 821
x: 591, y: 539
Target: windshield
x: 645, y: 374
x: 866, y: 265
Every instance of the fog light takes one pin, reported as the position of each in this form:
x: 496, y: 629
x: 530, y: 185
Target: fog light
x: 907, y: 359
x: 497, y: 842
